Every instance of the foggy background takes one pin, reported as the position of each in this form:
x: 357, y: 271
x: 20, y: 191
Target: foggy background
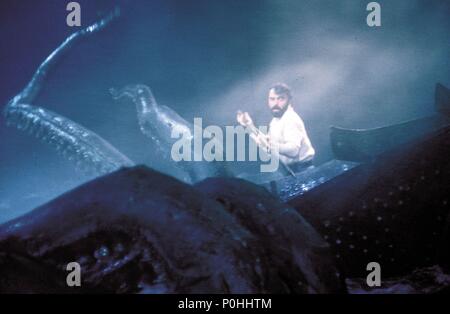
x: 208, y: 59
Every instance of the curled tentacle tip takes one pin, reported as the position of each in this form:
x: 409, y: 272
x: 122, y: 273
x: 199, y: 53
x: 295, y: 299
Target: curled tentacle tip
x: 124, y: 92
x: 113, y: 92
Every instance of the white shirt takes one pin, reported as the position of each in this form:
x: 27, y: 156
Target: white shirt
x: 289, y: 134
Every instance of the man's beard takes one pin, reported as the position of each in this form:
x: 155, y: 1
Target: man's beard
x: 278, y: 113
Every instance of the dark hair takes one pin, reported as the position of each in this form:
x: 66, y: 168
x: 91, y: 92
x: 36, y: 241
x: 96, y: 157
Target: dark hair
x: 281, y: 88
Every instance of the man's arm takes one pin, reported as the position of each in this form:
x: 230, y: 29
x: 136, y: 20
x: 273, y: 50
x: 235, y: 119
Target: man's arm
x: 293, y: 134
x: 261, y: 139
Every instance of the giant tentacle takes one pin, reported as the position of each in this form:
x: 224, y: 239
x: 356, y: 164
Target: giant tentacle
x: 153, y: 126
x: 160, y: 123
x: 89, y: 150
x: 29, y: 93
x: 155, y: 121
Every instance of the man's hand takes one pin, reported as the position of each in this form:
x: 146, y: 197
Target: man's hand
x: 244, y: 119
x: 261, y: 139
